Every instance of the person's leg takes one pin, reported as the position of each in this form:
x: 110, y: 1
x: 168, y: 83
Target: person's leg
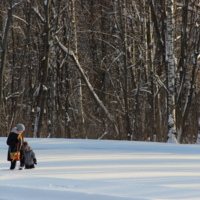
x: 22, y: 163
x: 32, y: 166
x: 13, y: 164
x: 21, y: 167
x: 22, y: 158
x: 27, y: 166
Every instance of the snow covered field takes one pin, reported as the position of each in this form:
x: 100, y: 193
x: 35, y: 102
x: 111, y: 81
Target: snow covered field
x: 70, y: 169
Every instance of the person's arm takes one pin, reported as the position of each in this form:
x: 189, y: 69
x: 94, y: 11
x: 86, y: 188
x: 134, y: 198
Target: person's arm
x: 34, y: 158
x: 12, y: 139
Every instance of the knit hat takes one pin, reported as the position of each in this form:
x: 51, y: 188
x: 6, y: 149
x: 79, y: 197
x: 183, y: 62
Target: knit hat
x: 25, y: 143
x: 20, y: 127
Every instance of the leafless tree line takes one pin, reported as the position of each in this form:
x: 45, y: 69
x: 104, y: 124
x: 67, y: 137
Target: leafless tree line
x: 101, y: 69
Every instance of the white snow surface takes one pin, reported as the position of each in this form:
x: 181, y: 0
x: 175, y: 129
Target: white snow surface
x: 75, y: 169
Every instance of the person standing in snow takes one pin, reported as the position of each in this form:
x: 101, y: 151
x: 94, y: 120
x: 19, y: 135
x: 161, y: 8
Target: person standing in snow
x: 15, y: 143
x: 30, y: 159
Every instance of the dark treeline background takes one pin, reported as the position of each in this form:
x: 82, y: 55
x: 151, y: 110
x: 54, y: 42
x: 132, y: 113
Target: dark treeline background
x: 101, y: 69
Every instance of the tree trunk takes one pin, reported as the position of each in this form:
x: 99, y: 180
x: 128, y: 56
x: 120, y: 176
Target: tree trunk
x: 125, y: 87
x: 171, y: 74
x: 4, y: 51
x: 151, y: 70
x: 109, y: 116
x: 80, y: 120
x: 52, y: 74
x: 192, y: 84
x: 42, y: 97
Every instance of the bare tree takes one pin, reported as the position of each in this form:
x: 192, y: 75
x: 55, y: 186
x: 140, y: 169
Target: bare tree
x: 123, y: 35
x: 171, y: 73
x: 133, y: 69
x: 80, y: 121
x: 193, y: 77
x: 4, y: 51
x: 110, y: 117
x: 42, y: 96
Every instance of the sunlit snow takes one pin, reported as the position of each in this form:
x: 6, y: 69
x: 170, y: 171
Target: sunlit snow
x: 75, y: 169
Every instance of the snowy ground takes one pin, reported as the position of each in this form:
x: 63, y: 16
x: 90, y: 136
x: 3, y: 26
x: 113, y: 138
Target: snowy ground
x: 70, y: 169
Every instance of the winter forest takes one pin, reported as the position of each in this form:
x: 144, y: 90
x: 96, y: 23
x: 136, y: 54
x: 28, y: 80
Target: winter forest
x: 101, y: 69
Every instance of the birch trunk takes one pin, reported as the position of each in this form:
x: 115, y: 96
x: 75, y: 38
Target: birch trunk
x: 171, y: 74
